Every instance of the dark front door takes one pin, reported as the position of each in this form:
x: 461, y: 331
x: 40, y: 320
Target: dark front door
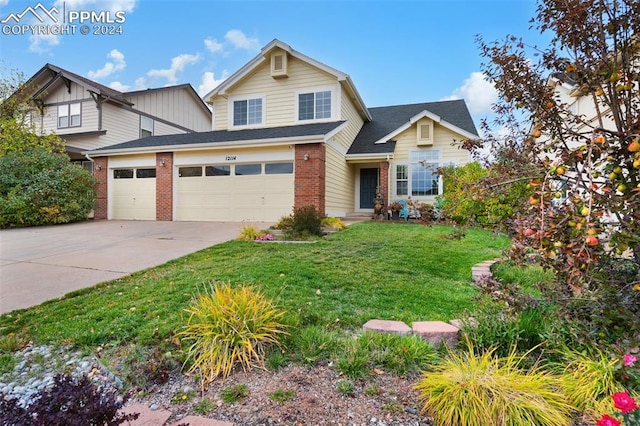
x: 368, y: 186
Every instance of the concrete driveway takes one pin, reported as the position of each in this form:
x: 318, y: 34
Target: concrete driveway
x: 42, y: 263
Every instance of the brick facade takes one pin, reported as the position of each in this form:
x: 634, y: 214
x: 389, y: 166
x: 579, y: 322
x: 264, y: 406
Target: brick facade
x: 164, y: 186
x: 100, y: 169
x: 310, y: 176
x: 383, y: 182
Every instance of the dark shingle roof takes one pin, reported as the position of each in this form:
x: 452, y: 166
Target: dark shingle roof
x: 218, y: 136
x: 386, y: 120
x: 103, y: 90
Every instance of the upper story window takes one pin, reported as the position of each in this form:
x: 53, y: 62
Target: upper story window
x: 69, y: 115
x: 146, y: 127
x: 314, y: 105
x: 247, y: 112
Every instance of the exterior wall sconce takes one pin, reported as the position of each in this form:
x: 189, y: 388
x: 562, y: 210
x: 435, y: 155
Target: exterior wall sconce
x: 306, y: 157
x: 162, y: 163
x: 98, y: 167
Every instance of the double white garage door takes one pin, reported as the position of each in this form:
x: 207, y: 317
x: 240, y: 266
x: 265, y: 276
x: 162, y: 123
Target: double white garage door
x: 217, y: 188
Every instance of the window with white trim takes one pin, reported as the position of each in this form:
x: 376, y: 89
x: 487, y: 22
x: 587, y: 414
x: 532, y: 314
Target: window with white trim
x: 69, y: 115
x: 314, y: 105
x: 146, y: 127
x: 247, y: 112
x: 419, y: 178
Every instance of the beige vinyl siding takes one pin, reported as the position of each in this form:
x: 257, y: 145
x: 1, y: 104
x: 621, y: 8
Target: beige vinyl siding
x: 160, y: 128
x: 354, y: 123
x: 442, y: 141
x: 280, y: 94
x: 88, y: 117
x: 60, y: 93
x: 121, y: 125
x: 339, y: 184
x: 175, y: 105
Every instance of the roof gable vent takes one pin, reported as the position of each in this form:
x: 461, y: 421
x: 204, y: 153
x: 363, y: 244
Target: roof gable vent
x: 279, y: 64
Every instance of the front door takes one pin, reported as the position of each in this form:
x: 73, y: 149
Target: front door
x: 368, y: 186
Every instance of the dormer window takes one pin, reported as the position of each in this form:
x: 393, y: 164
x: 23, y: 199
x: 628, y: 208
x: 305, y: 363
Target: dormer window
x: 314, y: 105
x: 247, y: 112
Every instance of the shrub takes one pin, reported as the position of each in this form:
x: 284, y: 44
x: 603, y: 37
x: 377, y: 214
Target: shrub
x: 333, y: 223
x: 229, y: 326
x: 306, y: 221
x: 469, y: 389
x: 38, y: 187
x: 249, y: 233
x: 71, y: 401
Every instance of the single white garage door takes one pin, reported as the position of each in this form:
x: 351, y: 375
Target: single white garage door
x: 133, y: 193
x: 262, y: 192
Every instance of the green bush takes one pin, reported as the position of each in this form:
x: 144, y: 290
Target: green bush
x: 306, y: 221
x: 38, y: 187
x: 229, y: 326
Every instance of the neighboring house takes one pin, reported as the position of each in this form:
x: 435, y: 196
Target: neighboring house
x: 287, y: 131
x: 89, y: 115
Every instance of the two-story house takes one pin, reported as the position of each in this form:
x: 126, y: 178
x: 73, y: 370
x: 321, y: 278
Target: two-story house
x: 288, y: 131
x: 89, y: 115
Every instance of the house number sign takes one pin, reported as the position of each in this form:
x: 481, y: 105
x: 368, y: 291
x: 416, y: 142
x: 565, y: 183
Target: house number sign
x: 231, y: 158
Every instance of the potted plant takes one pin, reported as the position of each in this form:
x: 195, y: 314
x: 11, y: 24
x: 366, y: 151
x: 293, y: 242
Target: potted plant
x: 395, y: 208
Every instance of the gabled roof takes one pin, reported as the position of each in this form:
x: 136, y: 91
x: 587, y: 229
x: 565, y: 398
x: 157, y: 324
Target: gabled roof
x: 56, y: 73
x: 305, y: 133
x: 263, y: 56
x: 376, y: 136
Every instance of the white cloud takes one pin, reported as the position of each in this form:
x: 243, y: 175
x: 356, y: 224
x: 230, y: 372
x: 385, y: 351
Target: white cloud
x: 478, y: 93
x: 141, y: 83
x: 44, y: 43
x: 240, y: 41
x: 109, y: 68
x: 4, y: 2
x: 209, y: 82
x: 212, y: 45
x: 116, y: 85
x: 177, y: 66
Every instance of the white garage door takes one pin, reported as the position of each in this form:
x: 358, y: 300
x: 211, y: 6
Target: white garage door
x: 235, y: 192
x: 133, y: 193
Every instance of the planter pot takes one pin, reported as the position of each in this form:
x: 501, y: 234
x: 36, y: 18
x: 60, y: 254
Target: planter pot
x: 395, y: 215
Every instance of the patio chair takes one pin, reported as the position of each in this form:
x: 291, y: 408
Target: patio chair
x: 404, y: 212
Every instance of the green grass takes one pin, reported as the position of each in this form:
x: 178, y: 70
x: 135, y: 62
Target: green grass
x: 528, y: 278
x: 371, y: 270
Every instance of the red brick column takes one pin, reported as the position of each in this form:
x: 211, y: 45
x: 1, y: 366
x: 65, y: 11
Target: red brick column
x: 100, y: 172
x: 384, y: 181
x: 164, y: 186
x: 310, y: 175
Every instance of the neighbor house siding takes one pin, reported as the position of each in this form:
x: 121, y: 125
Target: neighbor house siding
x: 88, y: 117
x: 175, y: 105
x: 280, y: 94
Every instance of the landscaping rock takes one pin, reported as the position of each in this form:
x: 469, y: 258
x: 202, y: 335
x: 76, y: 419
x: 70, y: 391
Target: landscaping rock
x: 437, y: 332
x: 387, y: 326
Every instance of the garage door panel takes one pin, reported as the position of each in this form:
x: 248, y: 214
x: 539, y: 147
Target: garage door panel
x: 133, y: 199
x: 235, y: 198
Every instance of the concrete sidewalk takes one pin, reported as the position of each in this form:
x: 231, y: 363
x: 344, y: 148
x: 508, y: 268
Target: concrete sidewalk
x: 42, y: 263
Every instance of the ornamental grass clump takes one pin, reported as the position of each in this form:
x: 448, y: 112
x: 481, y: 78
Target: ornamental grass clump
x: 479, y: 389
x: 588, y: 381
x: 228, y: 326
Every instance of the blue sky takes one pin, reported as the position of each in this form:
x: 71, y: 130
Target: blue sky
x: 396, y: 52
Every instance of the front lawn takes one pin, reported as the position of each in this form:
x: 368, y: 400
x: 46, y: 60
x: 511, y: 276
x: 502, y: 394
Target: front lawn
x: 371, y: 270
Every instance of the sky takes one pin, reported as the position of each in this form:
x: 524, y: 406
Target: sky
x: 396, y: 52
